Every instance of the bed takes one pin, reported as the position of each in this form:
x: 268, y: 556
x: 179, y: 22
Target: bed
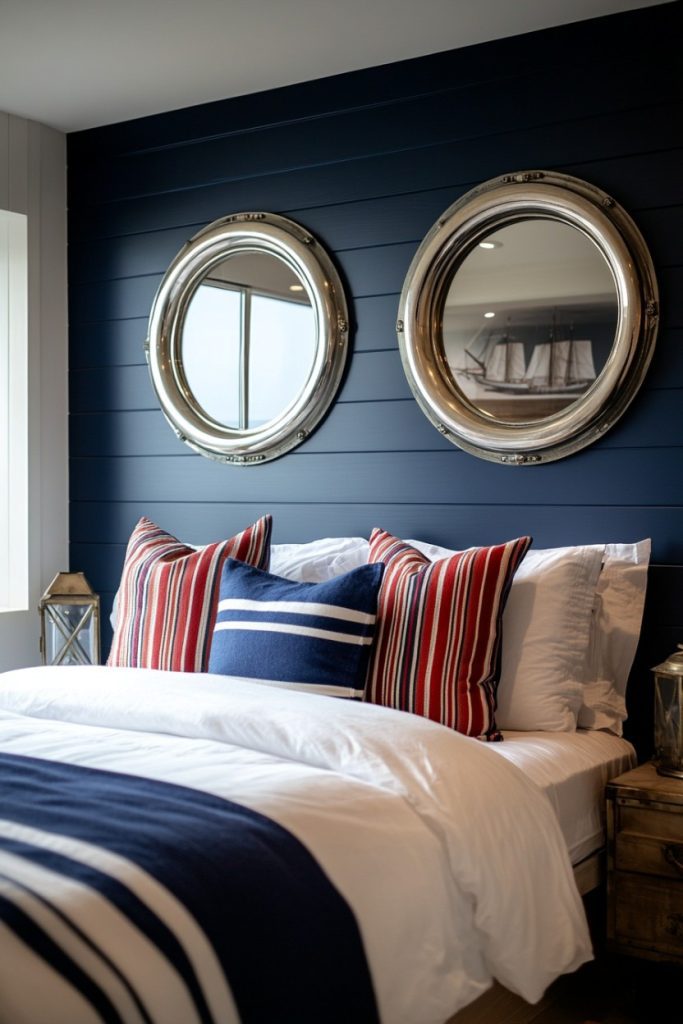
x: 209, y: 845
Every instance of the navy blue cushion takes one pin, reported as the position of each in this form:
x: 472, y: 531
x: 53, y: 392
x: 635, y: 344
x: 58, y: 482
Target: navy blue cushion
x: 309, y: 636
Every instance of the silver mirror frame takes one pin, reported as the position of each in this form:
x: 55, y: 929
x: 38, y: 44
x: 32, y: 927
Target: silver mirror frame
x: 490, y: 206
x: 286, y: 240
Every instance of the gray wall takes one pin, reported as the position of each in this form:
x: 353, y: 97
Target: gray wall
x: 33, y: 182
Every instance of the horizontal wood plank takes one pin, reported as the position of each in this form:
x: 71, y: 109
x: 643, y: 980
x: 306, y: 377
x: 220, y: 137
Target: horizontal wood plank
x: 95, y: 523
x: 615, y: 151
x: 615, y: 476
x: 352, y: 425
x: 343, y: 227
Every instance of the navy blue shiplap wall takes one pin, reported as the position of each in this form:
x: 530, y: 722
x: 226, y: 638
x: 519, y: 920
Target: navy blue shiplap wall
x: 367, y: 161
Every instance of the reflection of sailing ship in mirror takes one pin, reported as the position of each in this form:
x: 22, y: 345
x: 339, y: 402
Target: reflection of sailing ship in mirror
x: 559, y: 370
x: 550, y: 289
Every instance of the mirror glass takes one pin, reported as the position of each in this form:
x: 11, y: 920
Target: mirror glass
x: 249, y: 340
x: 529, y: 320
x: 528, y: 317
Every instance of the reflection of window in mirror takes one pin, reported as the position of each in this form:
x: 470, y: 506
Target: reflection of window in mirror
x: 281, y: 354
x: 211, y: 351
x: 529, y: 319
x: 249, y: 340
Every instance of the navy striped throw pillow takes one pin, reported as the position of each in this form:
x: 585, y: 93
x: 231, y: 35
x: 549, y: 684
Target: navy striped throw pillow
x: 304, y: 636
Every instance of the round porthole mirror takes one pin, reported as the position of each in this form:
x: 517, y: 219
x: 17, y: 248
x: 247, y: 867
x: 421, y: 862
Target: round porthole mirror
x: 528, y: 318
x: 248, y: 338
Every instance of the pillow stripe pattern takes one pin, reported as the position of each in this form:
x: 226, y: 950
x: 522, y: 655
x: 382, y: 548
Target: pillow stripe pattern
x: 310, y: 636
x: 169, y: 594
x: 437, y: 647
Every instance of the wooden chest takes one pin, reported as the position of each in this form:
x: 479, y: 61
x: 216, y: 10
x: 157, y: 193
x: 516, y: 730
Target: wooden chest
x: 645, y: 864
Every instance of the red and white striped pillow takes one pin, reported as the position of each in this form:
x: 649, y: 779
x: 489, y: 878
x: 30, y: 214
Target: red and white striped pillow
x: 168, y: 596
x: 437, y: 639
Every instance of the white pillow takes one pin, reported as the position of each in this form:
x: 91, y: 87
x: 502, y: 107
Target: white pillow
x: 617, y: 618
x: 546, y: 638
x: 319, y: 560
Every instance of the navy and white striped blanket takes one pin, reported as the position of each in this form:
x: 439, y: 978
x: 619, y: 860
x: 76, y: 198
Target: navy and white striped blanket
x: 144, y: 897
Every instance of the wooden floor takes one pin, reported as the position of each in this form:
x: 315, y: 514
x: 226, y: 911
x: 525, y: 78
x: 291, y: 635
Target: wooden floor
x: 615, y: 990
x: 611, y: 989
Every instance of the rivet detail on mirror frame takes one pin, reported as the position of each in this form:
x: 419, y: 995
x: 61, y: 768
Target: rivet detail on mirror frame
x: 520, y: 460
x: 513, y: 415
x: 523, y: 177
x: 250, y: 234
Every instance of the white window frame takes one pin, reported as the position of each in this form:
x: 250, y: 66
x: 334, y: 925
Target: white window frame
x: 14, y: 518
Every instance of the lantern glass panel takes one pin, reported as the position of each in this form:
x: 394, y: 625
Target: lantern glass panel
x: 71, y: 634
x: 668, y: 722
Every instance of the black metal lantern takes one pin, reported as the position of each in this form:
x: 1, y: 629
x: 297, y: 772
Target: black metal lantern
x: 70, y: 621
x: 669, y: 715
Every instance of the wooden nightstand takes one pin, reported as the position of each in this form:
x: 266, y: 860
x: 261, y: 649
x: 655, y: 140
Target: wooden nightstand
x: 645, y: 865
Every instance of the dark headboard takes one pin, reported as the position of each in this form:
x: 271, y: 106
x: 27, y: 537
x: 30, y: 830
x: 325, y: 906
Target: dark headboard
x: 662, y: 630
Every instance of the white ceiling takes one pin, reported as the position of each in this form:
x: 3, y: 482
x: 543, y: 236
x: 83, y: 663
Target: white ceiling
x: 76, y: 64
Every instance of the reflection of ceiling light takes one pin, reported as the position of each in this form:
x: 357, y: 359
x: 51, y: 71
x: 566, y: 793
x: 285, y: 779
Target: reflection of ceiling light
x: 296, y: 287
x: 489, y: 315
x: 490, y: 245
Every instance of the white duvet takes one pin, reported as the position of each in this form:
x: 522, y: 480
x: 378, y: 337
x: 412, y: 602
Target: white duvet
x: 452, y: 860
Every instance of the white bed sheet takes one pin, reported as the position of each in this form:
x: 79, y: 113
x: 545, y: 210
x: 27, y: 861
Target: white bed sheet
x: 572, y: 769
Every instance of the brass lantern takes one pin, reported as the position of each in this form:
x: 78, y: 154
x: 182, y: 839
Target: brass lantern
x: 669, y: 715
x: 70, y: 621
